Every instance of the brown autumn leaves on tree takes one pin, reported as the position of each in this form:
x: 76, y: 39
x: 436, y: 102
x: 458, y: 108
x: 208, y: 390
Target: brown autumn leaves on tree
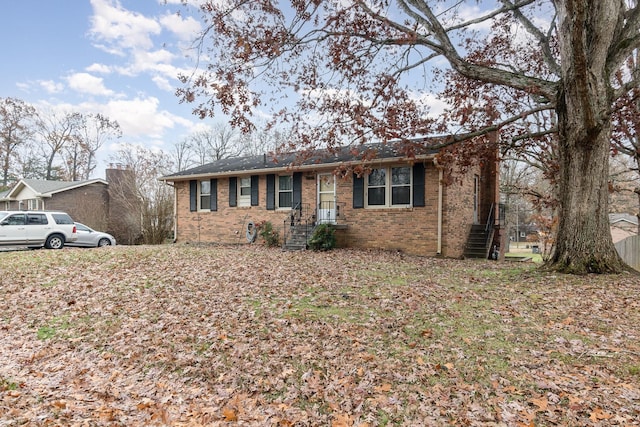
x: 353, y: 72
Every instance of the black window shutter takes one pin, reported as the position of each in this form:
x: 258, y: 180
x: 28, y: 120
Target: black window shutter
x: 193, y: 195
x: 297, y: 190
x: 418, y: 184
x: 255, y: 179
x: 214, y: 195
x: 271, y: 192
x: 233, y: 191
x: 358, y: 191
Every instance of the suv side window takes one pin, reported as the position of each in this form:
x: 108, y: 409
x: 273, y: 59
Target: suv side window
x: 62, y: 219
x: 17, y: 219
x: 37, y: 219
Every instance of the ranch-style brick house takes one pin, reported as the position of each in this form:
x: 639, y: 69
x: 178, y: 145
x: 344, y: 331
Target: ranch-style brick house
x: 401, y: 204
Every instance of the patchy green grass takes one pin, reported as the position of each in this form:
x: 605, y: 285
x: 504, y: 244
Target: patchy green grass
x: 535, y: 258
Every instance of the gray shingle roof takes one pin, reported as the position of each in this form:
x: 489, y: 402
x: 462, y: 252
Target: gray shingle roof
x: 43, y: 187
x: 265, y: 162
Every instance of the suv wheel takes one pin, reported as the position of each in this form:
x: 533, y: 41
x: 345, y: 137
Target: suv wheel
x: 55, y: 241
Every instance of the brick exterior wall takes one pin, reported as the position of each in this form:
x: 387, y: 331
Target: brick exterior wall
x: 457, y: 215
x: 228, y: 224
x: 88, y: 204
x: 412, y: 230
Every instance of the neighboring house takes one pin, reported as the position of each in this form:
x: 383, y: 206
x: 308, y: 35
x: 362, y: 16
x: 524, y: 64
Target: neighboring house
x: 84, y: 201
x: 622, y: 226
x: 523, y: 233
x: 402, y: 204
x: 106, y: 205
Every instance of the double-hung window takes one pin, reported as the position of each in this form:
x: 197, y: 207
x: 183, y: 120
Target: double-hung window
x: 204, y: 190
x: 244, y: 191
x: 32, y: 204
x: 285, y: 191
x: 388, y: 187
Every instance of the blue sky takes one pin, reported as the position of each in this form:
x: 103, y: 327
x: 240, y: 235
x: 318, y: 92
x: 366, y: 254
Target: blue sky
x: 120, y: 58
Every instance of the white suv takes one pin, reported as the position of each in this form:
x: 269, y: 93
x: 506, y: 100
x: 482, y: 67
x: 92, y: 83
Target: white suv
x: 35, y: 229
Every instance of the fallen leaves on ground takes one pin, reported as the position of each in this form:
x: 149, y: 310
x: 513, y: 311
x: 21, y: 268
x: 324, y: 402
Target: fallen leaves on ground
x: 188, y: 335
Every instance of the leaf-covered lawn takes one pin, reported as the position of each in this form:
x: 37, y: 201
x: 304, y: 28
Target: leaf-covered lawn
x: 198, y: 335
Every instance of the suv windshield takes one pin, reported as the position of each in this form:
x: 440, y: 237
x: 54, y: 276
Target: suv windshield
x: 3, y: 214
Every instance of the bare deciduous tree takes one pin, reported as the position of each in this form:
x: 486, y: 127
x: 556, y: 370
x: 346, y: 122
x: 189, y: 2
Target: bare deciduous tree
x: 16, y: 128
x: 142, y: 206
x: 57, y: 131
x: 213, y: 144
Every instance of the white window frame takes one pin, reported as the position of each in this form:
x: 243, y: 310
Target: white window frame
x: 244, y: 183
x: 32, y: 204
x: 278, y: 191
x: 201, y: 195
x: 388, y: 188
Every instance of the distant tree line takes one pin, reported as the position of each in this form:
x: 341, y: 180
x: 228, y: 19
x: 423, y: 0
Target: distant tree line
x: 51, y: 145
x: 62, y: 146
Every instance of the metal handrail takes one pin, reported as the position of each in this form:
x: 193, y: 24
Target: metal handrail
x: 294, y: 218
x: 492, y: 211
x: 489, y: 225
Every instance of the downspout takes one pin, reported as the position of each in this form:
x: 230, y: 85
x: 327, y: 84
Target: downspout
x: 175, y: 211
x: 175, y: 214
x: 440, y: 189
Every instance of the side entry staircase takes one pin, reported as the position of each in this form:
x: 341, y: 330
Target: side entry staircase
x: 479, y: 242
x: 481, y: 236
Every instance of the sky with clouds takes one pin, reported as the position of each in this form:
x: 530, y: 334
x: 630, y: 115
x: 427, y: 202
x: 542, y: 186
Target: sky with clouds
x: 120, y: 58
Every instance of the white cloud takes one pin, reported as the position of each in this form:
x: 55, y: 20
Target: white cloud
x: 89, y: 84
x: 23, y: 86
x: 144, y: 61
x: 98, y: 68
x: 163, y: 83
x: 51, y: 87
x: 142, y: 118
x: 183, y: 28
x: 154, y: 62
x: 121, y: 29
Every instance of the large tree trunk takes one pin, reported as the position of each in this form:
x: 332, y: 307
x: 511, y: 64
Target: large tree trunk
x: 584, y: 243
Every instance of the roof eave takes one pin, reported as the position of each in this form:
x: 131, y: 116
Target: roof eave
x: 21, y: 184
x: 79, y: 185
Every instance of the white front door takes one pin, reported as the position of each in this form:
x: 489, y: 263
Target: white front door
x: 326, y: 198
